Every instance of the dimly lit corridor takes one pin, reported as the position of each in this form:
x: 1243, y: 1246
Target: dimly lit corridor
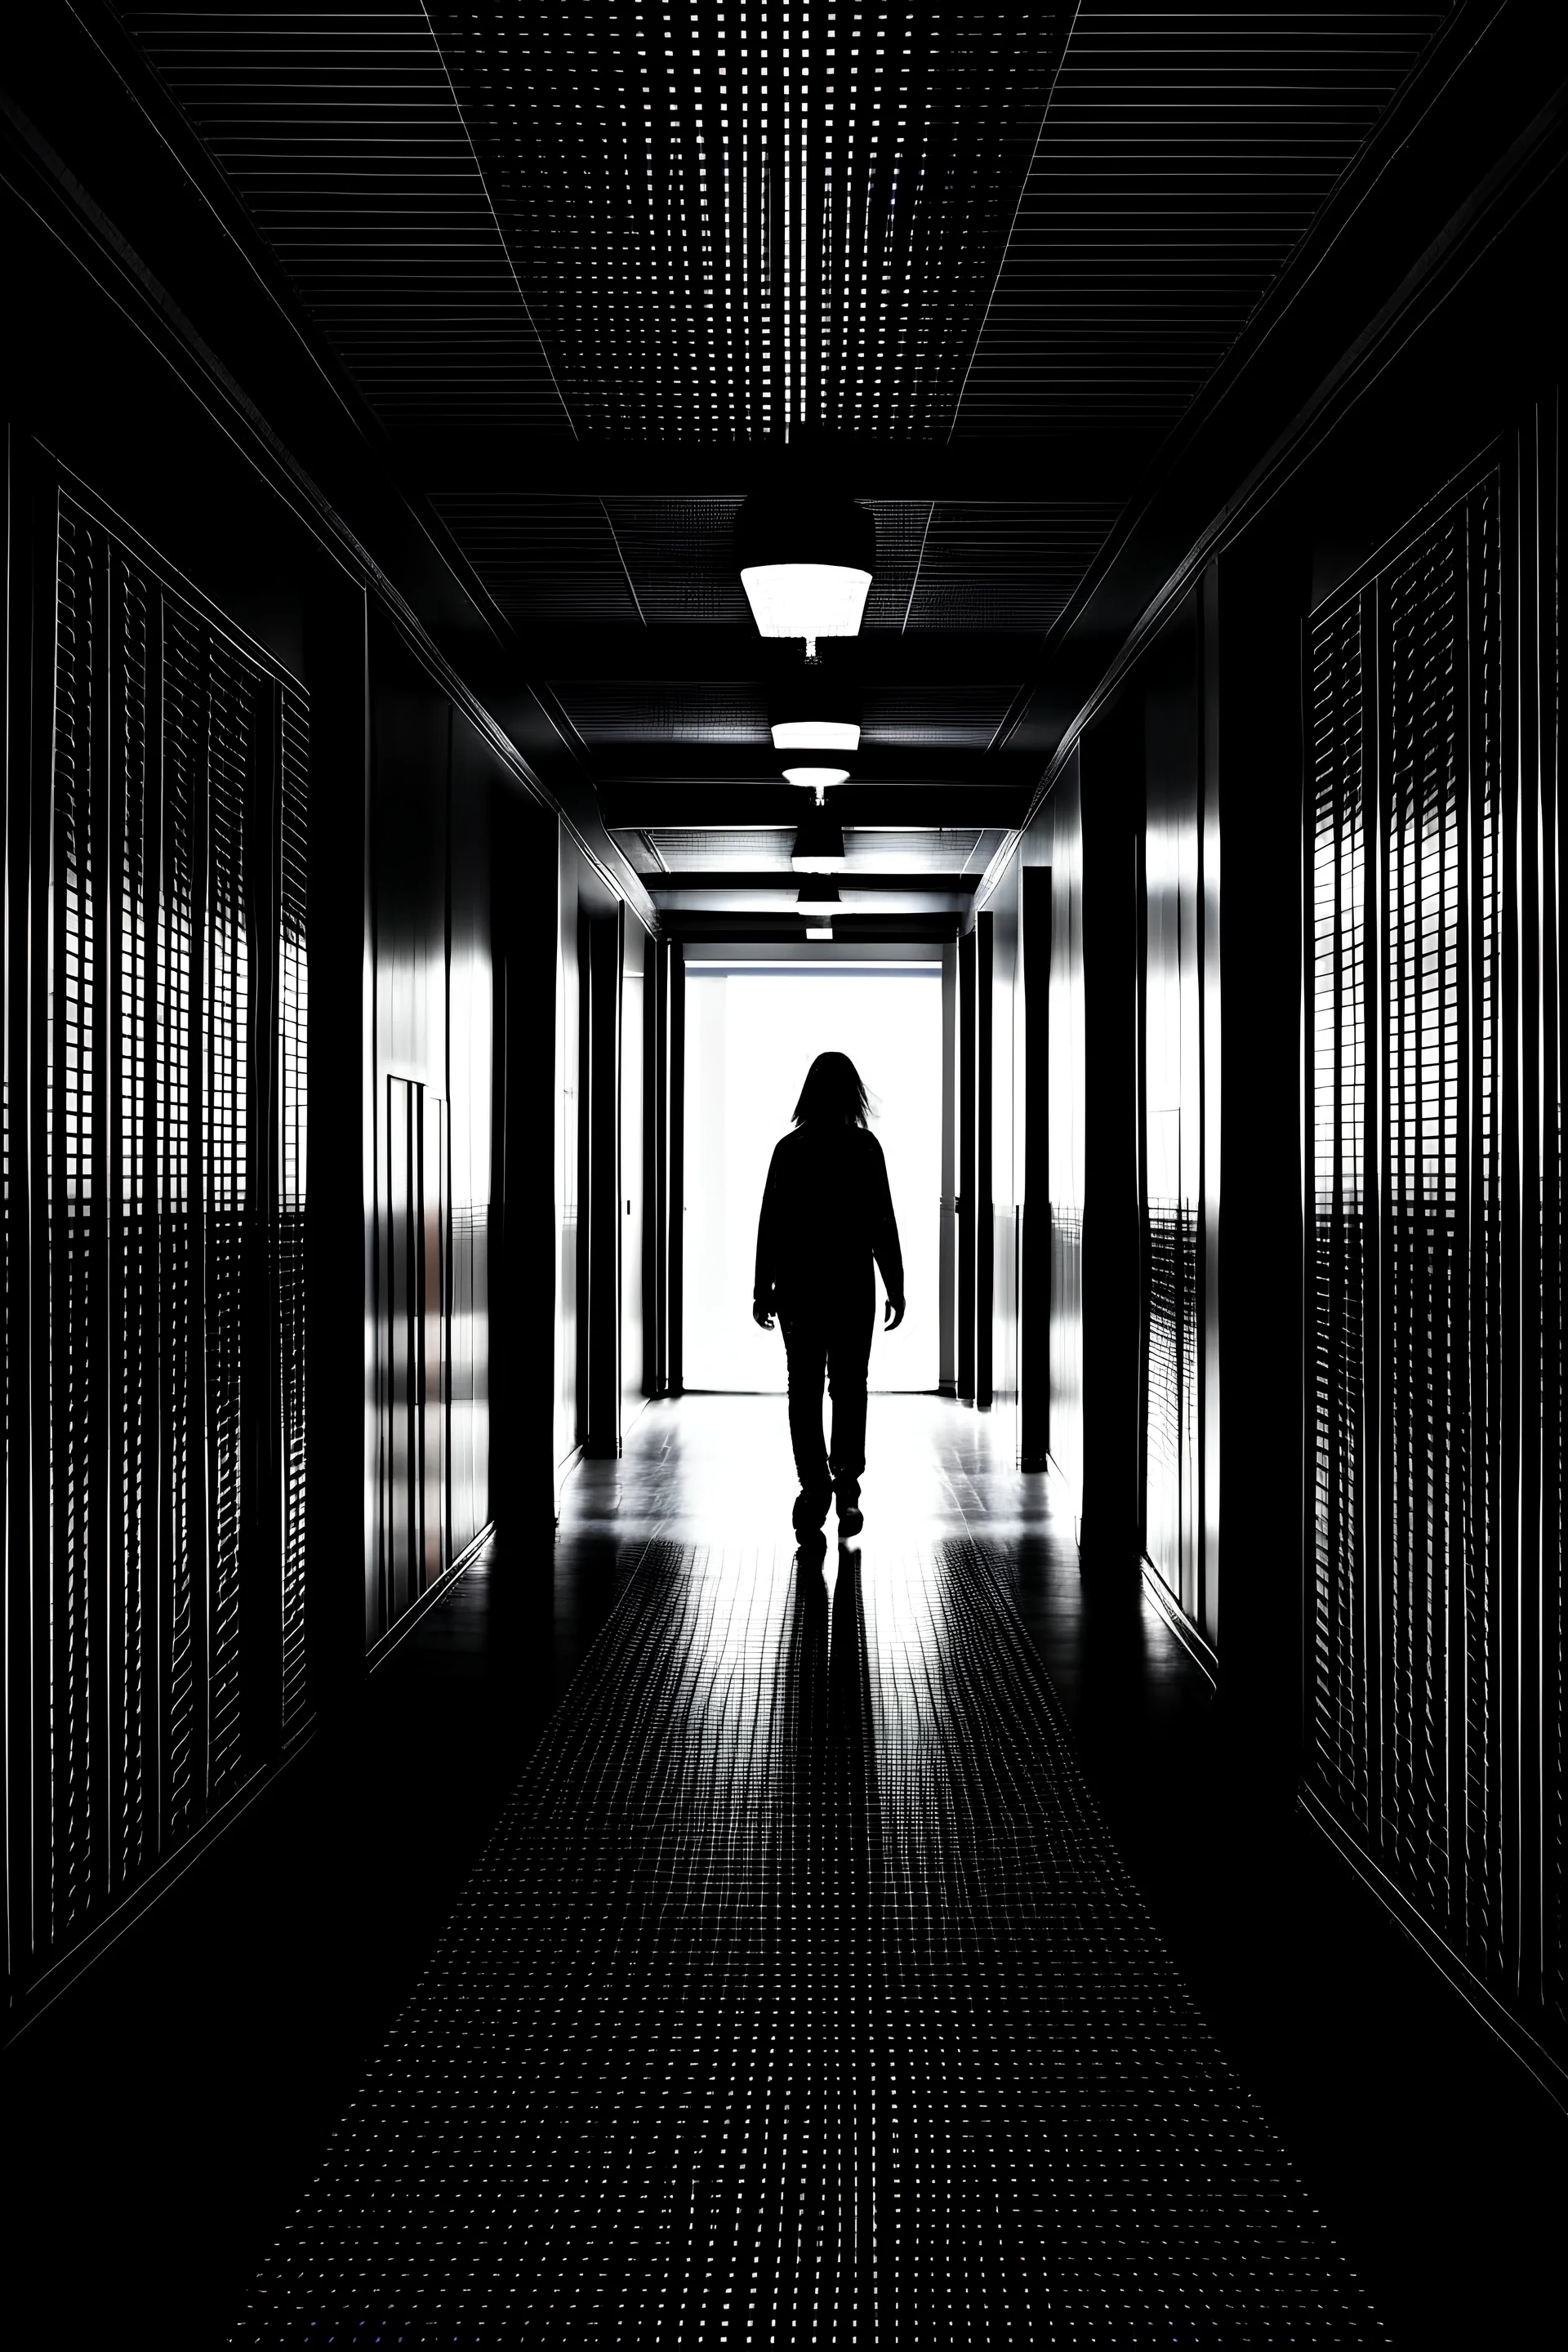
x: 563, y: 563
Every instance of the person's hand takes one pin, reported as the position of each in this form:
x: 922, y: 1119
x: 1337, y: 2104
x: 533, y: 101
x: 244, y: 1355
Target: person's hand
x: 894, y: 1314
x: 762, y: 1314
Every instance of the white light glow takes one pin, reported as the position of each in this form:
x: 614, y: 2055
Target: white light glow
x: 817, y: 779
x: 816, y: 735
x: 750, y: 1038
x: 805, y: 599
x: 816, y: 863
x: 819, y: 931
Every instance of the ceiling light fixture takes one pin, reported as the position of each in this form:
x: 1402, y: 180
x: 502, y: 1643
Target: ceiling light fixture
x: 812, y: 711
x: 822, y: 931
x: 806, y: 564
x: 818, y: 779
x: 818, y: 845
x: 817, y: 898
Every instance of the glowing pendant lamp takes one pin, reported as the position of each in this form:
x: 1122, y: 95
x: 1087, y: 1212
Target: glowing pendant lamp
x: 815, y: 711
x: 806, y: 564
x: 819, y: 844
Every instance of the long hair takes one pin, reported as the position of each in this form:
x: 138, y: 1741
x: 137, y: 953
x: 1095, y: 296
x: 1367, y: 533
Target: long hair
x: 832, y: 1095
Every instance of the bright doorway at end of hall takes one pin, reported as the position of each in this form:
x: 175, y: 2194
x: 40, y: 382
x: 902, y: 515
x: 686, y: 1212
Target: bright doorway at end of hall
x: 751, y: 1036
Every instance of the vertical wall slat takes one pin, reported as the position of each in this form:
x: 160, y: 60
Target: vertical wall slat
x: 150, y: 1601
x: 1434, y: 1302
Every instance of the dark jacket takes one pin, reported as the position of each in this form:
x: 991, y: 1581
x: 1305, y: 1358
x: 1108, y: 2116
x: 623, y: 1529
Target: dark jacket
x: 826, y: 1214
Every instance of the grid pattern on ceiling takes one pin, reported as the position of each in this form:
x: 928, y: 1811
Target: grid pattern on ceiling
x: 707, y: 711
x: 664, y: 560
x: 542, y: 558
x: 729, y: 221
x: 1006, y: 567
x: 765, y: 849
x: 671, y: 561
x: 341, y: 134
x: 1184, y: 159
x: 688, y: 711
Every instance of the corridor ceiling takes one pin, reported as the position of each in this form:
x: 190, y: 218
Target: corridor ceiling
x: 598, y: 271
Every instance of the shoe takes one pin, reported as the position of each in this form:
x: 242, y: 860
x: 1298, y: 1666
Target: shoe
x: 851, y: 1520
x: 807, y: 1517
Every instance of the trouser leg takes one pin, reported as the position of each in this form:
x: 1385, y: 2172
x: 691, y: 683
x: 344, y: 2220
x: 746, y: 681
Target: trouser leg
x: 806, y: 1352
x: 848, y: 1361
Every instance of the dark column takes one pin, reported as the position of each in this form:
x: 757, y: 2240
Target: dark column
x: 603, y: 1202
x: 650, y: 1143
x: 983, y: 1223
x: 522, y: 1364
x: 1035, y: 1270
x: 676, y: 1260
x: 1111, y: 769
x: 966, y: 1218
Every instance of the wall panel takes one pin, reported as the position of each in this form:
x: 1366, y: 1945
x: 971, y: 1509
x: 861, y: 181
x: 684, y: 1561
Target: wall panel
x: 1434, y: 1303
x: 471, y: 1050
x: 154, y: 1200
x: 636, y: 1367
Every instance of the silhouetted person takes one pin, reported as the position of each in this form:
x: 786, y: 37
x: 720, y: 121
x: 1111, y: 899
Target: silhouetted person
x: 826, y: 1215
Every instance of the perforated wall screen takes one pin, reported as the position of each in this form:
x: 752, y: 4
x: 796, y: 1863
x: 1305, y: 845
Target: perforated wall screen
x: 155, y: 1186
x: 1429, y: 1279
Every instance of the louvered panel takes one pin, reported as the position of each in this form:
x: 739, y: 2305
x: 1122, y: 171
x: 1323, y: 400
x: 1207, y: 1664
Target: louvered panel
x: 212, y: 711
x: 289, y: 1224
x: 180, y: 1380
x: 1339, y: 855
x: 1420, y: 1559
x: 1480, y: 1799
x: 133, y: 1373
x: 1422, y: 637
x: 158, y: 1374
x: 73, y: 1170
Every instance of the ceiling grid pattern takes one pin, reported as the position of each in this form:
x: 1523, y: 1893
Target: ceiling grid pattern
x: 593, y: 263
x: 733, y: 222
x: 342, y: 136
x: 1187, y: 155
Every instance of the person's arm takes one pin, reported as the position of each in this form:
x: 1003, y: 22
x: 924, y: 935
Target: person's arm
x: 764, y: 1285
x: 885, y: 1248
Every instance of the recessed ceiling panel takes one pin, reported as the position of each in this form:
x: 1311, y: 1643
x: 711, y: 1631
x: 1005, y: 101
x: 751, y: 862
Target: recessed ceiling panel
x: 765, y: 849
x: 688, y: 711
x: 679, y: 557
x: 730, y: 222
x: 542, y: 559
x: 1184, y: 156
x: 342, y: 136
x: 1005, y: 567
x: 936, y: 718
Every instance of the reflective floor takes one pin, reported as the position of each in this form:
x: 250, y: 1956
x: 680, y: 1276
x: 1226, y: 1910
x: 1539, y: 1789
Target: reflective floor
x: 684, y: 1938
x: 800, y: 1994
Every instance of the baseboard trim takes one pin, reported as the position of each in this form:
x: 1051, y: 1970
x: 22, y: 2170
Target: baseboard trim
x: 1510, y: 2031
x: 382, y: 1648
